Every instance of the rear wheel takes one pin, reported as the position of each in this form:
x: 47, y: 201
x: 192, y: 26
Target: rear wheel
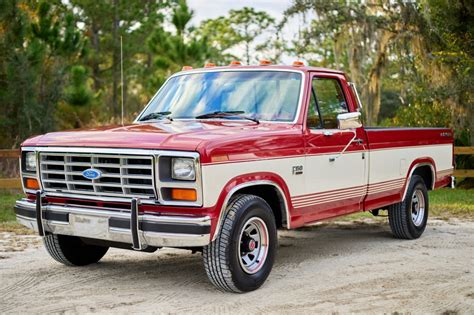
x: 408, y: 218
x: 242, y: 255
x: 72, y: 251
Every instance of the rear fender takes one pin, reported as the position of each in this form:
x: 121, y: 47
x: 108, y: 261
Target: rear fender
x: 425, y: 161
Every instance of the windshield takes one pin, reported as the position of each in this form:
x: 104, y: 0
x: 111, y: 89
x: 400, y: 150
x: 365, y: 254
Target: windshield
x: 263, y: 95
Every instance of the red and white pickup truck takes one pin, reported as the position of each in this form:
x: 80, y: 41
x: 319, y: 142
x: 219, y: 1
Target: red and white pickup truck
x: 219, y: 159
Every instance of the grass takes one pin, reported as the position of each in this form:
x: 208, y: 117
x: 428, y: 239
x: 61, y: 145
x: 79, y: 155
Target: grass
x: 7, y: 202
x: 444, y: 204
x: 7, y: 216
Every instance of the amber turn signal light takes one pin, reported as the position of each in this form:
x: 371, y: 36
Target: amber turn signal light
x: 31, y: 183
x: 209, y: 65
x: 235, y: 63
x: 185, y: 68
x: 298, y: 63
x: 265, y: 62
x: 183, y: 194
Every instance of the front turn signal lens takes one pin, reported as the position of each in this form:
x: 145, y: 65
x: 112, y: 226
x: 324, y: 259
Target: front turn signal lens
x: 183, y: 194
x: 31, y: 183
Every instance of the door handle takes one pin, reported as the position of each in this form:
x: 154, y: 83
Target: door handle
x: 327, y: 133
x: 358, y: 141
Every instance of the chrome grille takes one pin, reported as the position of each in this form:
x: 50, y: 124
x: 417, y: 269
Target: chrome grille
x: 122, y: 175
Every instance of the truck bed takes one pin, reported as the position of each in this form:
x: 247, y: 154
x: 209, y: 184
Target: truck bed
x: 395, y: 152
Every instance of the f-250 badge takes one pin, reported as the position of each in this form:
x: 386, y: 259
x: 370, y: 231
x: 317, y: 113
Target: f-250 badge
x: 298, y: 170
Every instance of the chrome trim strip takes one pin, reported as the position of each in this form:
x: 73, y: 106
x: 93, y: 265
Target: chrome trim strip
x: 300, y: 101
x: 249, y: 184
x: 24, y: 175
x: 353, y: 86
x: 407, y: 183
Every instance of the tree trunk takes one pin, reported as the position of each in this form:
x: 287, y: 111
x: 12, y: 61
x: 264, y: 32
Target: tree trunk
x: 95, y: 41
x: 374, y: 86
x: 355, y: 67
x: 115, y: 60
x: 247, y: 45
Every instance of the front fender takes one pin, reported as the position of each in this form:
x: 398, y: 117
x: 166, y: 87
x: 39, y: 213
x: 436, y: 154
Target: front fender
x: 243, y: 181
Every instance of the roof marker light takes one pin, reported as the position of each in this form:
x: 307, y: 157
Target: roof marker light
x: 235, y: 63
x: 298, y: 63
x: 265, y: 62
x: 209, y: 65
x: 185, y: 68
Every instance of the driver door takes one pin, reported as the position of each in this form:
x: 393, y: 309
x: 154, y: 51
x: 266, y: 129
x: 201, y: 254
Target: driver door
x: 335, y: 184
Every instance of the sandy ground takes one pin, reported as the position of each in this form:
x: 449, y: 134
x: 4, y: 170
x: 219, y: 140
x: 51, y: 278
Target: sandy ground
x: 330, y: 268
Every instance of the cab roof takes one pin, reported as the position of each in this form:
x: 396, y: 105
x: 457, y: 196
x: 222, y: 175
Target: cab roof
x: 264, y: 67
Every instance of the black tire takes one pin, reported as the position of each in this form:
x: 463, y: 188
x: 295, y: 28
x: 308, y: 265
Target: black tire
x: 222, y: 259
x: 72, y: 251
x: 402, y: 224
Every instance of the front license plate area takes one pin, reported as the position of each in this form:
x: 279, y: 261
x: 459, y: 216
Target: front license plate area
x: 89, y: 226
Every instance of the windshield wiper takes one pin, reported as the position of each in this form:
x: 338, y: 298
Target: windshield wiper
x: 228, y: 114
x: 157, y: 115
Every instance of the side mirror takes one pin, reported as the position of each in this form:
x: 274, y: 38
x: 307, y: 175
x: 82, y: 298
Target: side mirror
x: 349, y: 120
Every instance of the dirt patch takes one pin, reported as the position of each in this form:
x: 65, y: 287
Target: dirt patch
x: 329, y: 268
x: 14, y: 242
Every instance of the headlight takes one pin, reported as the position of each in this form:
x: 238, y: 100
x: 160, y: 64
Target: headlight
x: 30, y: 162
x: 183, y: 169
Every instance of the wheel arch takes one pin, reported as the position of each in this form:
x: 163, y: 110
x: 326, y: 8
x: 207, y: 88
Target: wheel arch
x: 425, y: 168
x: 265, y: 187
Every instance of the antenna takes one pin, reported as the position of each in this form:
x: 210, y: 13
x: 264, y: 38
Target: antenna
x: 121, y: 71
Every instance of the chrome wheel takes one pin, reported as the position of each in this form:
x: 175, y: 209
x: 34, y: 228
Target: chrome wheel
x: 253, y: 245
x: 417, y: 207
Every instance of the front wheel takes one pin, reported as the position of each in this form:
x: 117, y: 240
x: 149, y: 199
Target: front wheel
x: 72, y: 251
x: 242, y: 255
x: 408, y: 218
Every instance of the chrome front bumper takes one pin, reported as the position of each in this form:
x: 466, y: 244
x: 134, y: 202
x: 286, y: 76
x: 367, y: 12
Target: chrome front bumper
x: 116, y: 226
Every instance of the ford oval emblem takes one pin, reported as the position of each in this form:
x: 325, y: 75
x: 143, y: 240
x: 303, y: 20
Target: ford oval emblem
x: 91, y: 173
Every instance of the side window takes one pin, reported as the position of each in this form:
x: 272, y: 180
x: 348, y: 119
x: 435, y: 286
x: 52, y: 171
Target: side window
x: 330, y: 100
x: 313, y: 119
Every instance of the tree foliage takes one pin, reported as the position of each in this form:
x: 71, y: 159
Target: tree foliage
x: 60, y: 61
x: 412, y: 61
x: 180, y: 46
x: 39, y: 42
x: 240, y: 27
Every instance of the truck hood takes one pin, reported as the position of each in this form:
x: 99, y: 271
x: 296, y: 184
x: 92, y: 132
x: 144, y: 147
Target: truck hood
x: 176, y: 135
